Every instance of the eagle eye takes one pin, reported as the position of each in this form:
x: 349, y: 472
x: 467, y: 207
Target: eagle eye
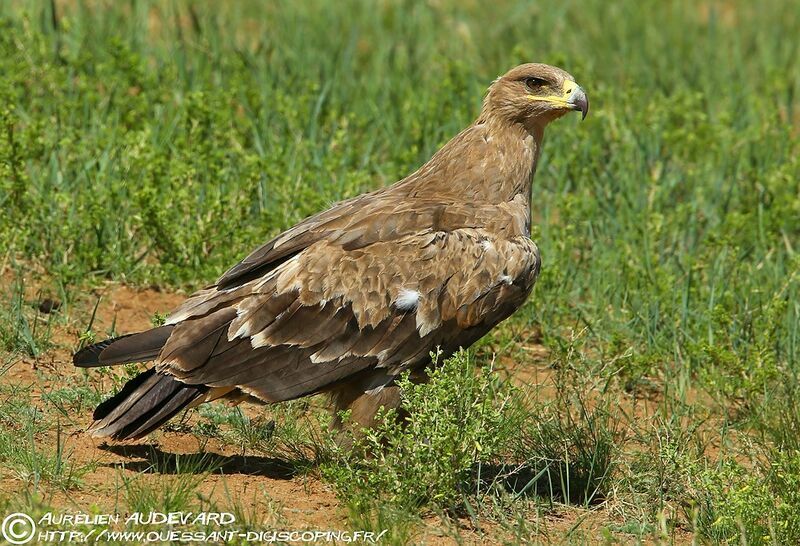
x: 533, y: 83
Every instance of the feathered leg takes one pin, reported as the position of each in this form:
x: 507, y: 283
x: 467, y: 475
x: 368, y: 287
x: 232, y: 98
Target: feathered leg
x: 364, y: 402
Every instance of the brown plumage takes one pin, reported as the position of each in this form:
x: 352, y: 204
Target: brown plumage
x: 349, y: 298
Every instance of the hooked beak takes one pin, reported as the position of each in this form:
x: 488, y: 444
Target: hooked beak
x: 578, y: 101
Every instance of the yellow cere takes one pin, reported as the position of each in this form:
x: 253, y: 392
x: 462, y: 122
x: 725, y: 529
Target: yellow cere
x: 567, y: 88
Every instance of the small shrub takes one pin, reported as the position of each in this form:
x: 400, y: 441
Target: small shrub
x: 752, y: 506
x: 456, y: 425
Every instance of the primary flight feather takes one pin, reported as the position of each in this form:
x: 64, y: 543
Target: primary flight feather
x: 349, y: 298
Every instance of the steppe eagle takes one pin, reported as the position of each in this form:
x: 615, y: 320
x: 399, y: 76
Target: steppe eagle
x: 349, y: 298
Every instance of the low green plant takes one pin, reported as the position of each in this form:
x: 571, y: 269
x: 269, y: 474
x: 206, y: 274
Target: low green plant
x: 751, y: 504
x: 145, y: 492
x: 568, y: 446
x: 458, y: 424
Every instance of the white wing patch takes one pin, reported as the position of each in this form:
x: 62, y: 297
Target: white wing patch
x: 407, y: 299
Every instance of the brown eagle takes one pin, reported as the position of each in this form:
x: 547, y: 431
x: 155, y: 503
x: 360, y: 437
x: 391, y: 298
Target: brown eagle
x: 349, y: 298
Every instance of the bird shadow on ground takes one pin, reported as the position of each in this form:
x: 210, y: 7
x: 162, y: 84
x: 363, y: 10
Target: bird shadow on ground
x: 152, y: 459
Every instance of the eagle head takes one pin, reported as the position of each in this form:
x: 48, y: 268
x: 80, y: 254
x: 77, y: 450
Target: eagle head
x: 535, y: 94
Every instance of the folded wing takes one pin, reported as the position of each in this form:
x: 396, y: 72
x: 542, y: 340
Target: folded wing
x: 330, y: 312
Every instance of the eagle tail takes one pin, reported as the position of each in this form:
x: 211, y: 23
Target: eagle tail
x: 145, y: 403
x: 121, y: 350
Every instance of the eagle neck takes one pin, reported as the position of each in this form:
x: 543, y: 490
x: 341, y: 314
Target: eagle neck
x: 489, y: 163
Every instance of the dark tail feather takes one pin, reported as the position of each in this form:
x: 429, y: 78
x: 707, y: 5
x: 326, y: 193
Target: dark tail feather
x: 145, y: 403
x: 120, y: 350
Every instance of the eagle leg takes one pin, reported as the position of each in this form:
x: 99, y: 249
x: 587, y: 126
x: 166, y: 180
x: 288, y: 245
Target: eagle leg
x: 363, y: 401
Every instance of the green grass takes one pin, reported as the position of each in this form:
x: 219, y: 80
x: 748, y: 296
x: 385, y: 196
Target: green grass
x: 25, y: 331
x: 28, y: 456
x: 157, y: 142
